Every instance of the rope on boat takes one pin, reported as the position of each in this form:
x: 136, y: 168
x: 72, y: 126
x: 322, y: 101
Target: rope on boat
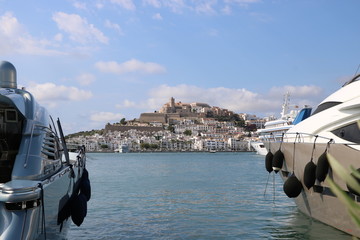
x: 43, y: 225
x: 297, y: 135
x: 267, y: 181
x: 274, y: 188
x: 269, y: 168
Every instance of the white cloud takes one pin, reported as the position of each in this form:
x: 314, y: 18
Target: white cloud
x: 78, y: 28
x: 114, y: 26
x: 226, y: 10
x: 241, y: 2
x: 157, y: 16
x: 10, y: 25
x: 213, y: 32
x: 58, y: 37
x: 296, y: 91
x: 233, y: 99
x: 85, y: 79
x: 237, y: 100
x: 127, y: 104
x: 105, y: 117
x: 127, y: 4
x: 175, y: 6
x: 132, y: 65
x: 15, y: 39
x: 153, y: 3
x: 50, y: 93
x: 299, y: 95
x: 206, y: 7
x: 210, y: 7
x: 261, y: 17
x: 99, y: 5
x: 80, y: 5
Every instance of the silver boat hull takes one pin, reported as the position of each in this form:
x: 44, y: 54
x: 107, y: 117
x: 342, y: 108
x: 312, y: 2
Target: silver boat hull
x: 42, y: 184
x: 43, y: 202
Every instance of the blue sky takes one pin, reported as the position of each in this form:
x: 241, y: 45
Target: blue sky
x: 97, y: 61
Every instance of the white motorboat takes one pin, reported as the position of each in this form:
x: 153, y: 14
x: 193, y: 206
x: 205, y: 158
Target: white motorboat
x: 124, y: 148
x: 42, y: 184
x: 302, y: 161
x: 259, y: 147
x: 274, y: 130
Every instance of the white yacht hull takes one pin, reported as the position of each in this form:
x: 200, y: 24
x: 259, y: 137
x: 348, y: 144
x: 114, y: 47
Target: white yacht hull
x: 319, y: 202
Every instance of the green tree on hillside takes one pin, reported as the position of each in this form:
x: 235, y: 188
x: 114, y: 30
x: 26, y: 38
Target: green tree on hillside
x: 187, y: 132
x: 171, y: 128
x: 123, y: 121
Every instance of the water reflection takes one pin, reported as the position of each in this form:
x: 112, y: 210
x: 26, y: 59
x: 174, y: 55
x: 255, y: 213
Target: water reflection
x: 296, y: 225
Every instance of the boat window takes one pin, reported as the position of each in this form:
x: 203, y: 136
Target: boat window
x: 303, y: 114
x: 11, y: 123
x: 50, y: 146
x: 325, y: 106
x: 350, y: 133
x: 11, y: 115
x: 50, y: 152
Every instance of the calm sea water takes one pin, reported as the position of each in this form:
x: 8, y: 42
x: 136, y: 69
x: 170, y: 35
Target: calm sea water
x: 191, y: 196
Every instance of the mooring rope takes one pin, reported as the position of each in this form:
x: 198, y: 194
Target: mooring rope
x: 43, y: 226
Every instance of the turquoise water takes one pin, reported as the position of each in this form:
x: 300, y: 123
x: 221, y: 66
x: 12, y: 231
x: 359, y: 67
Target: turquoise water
x: 190, y: 196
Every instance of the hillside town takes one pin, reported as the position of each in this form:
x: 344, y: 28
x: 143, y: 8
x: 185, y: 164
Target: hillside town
x: 176, y: 126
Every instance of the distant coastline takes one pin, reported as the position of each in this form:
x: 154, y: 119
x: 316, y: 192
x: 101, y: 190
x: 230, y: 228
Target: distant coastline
x: 176, y: 127
x: 168, y: 151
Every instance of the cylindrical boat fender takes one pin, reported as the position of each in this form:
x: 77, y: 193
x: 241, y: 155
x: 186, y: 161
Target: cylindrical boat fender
x: 78, y: 209
x: 278, y: 160
x: 353, y: 191
x: 309, y: 174
x: 85, y: 187
x: 292, y: 186
x: 85, y: 174
x: 322, y: 168
x: 65, y: 211
x: 268, y: 162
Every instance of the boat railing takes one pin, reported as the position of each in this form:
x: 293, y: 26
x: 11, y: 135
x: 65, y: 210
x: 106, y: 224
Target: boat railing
x: 271, y: 137
x: 293, y: 137
x: 354, y: 79
x: 300, y: 137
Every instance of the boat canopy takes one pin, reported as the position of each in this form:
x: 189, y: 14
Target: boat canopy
x: 303, y: 114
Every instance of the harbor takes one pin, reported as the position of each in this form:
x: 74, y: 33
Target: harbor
x: 191, y: 196
x: 46, y: 177
x: 179, y: 119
